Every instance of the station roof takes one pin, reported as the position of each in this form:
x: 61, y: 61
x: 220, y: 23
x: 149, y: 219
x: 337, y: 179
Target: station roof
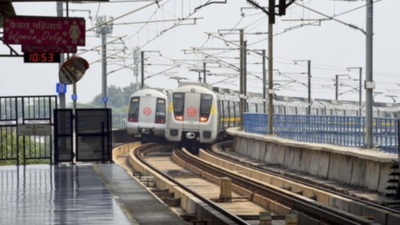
x: 7, y: 9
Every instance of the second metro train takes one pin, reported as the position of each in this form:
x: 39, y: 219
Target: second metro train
x: 147, y: 113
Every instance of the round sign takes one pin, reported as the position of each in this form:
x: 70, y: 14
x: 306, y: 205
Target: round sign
x: 146, y: 111
x: 191, y: 111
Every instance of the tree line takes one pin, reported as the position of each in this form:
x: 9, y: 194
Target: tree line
x: 118, y: 99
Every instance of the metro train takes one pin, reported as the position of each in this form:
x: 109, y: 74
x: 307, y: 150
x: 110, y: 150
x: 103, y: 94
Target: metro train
x: 198, y: 114
x: 147, y: 113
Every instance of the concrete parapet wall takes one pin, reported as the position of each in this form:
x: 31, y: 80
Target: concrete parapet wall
x: 368, y: 169
x: 308, y: 194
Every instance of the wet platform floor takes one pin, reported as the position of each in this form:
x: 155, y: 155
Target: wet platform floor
x: 80, y: 194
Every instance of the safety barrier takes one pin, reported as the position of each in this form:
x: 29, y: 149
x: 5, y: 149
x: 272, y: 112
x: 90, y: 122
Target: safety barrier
x: 118, y: 121
x: 337, y: 130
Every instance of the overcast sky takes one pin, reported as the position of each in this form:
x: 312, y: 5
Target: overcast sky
x: 332, y: 46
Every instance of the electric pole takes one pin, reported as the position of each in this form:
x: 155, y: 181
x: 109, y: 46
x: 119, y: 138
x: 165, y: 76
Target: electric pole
x: 360, y: 87
x: 136, y: 69
x: 142, y: 67
x: 61, y: 95
x: 271, y: 21
x: 369, y: 85
x: 204, y: 72
x: 245, y: 75
x: 241, y: 103
x: 104, y: 29
x: 337, y: 84
x: 264, y: 81
x: 309, y: 82
x: 309, y: 86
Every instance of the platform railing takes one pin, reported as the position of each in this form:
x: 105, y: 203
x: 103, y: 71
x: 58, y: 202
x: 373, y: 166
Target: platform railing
x: 118, y: 121
x: 337, y: 130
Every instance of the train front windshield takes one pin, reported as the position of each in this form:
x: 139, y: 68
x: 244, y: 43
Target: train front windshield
x: 205, y: 107
x: 160, y: 111
x: 179, y: 102
x: 133, y: 113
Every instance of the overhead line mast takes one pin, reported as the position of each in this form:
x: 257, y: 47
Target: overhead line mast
x: 283, y: 4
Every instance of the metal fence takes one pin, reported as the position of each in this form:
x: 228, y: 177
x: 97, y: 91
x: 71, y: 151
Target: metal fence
x: 26, y: 113
x: 118, y: 121
x: 337, y: 130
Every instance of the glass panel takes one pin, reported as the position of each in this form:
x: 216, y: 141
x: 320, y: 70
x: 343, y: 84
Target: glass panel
x: 205, y: 105
x: 134, y: 108
x: 179, y: 102
x: 161, y: 107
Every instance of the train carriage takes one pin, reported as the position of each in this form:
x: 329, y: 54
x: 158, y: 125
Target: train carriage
x: 192, y: 114
x: 147, y: 113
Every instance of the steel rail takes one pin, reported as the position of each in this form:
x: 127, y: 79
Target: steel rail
x: 139, y: 154
x: 316, y: 186
x: 313, y: 209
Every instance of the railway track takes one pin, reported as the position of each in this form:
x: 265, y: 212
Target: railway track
x: 304, y: 206
x: 307, y: 208
x: 151, y: 148
x: 383, y: 206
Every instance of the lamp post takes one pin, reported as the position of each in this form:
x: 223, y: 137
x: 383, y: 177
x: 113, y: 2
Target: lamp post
x: 360, y: 80
x: 309, y: 82
x: 337, y: 84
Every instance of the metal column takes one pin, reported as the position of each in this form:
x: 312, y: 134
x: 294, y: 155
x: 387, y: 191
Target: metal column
x: 241, y: 78
x: 264, y: 81
x: 368, y: 74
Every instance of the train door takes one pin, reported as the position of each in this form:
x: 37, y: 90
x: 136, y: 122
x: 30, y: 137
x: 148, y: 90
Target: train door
x: 232, y: 116
x: 237, y: 114
x: 220, y: 115
x: 226, y: 114
x: 191, y: 111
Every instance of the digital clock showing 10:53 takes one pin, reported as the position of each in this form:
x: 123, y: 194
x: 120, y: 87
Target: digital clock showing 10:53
x: 42, y: 57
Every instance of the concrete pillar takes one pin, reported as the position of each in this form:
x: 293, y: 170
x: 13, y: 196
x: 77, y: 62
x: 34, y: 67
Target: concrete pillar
x: 292, y: 219
x: 225, y: 189
x: 265, y: 218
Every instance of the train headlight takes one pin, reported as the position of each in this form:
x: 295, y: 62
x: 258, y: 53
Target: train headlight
x: 179, y: 117
x: 133, y: 119
x: 203, y: 119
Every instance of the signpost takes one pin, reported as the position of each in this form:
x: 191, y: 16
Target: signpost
x: 34, y: 130
x: 61, y: 88
x: 27, y: 30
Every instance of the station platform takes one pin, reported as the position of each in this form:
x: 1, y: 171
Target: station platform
x: 78, y: 194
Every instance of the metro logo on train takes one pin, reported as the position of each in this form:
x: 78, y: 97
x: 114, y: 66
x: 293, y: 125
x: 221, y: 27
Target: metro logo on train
x: 147, y: 111
x: 191, y: 111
